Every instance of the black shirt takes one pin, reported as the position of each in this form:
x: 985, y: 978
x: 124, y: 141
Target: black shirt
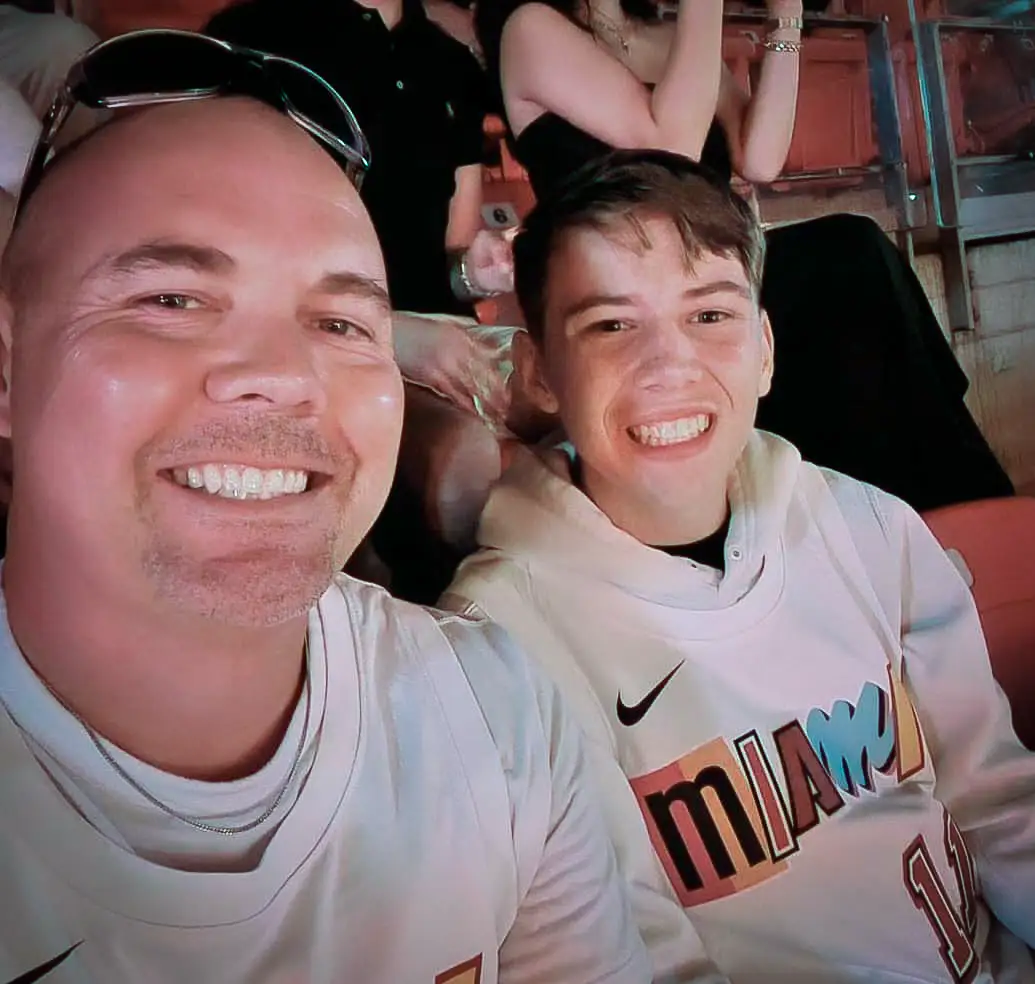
x: 551, y: 149
x: 709, y: 551
x: 419, y: 96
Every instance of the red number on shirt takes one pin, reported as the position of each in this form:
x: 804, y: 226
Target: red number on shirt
x: 929, y: 895
x: 962, y: 862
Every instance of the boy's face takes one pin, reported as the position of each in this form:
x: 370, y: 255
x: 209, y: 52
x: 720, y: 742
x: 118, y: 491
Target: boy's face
x: 655, y: 368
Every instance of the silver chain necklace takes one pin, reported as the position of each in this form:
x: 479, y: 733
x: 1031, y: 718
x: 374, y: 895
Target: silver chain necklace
x: 609, y: 32
x: 182, y: 817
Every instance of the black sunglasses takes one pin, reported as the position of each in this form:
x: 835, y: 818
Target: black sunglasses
x: 151, y: 67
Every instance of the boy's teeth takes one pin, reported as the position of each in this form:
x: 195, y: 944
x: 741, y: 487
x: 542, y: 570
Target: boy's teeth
x: 239, y: 482
x: 671, y: 431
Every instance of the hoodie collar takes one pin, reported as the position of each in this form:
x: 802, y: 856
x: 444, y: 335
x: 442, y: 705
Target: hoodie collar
x: 537, y: 515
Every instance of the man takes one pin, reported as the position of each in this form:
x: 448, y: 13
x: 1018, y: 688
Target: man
x: 218, y: 759
x: 780, y: 659
x: 419, y: 96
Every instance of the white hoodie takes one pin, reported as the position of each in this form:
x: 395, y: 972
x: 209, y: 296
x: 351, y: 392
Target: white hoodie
x: 829, y: 777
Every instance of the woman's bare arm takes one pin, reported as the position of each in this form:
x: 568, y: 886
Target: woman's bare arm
x: 547, y: 64
x: 759, y: 128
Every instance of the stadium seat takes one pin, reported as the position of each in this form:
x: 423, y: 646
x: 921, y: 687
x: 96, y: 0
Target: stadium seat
x: 993, y: 543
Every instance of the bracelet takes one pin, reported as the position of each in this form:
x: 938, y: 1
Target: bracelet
x: 789, y: 47
x: 787, y: 23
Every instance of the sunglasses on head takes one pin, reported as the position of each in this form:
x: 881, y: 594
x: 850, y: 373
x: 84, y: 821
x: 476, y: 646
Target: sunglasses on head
x: 152, y: 67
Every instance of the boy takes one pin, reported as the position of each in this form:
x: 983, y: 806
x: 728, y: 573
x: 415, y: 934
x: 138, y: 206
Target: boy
x: 781, y: 660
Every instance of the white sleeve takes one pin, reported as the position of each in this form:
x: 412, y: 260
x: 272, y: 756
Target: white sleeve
x: 574, y: 923
x: 676, y: 951
x: 984, y: 776
x: 570, y: 921
x: 19, y: 129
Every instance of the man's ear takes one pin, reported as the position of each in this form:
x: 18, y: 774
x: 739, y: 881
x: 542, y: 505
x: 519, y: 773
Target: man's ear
x: 765, y: 378
x: 530, y: 373
x: 6, y: 331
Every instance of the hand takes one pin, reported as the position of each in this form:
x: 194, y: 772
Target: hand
x: 489, y: 261
x: 443, y: 354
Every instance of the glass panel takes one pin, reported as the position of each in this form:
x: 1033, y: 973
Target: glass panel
x: 862, y: 190
x: 1000, y: 11
x: 996, y: 72
x: 990, y: 79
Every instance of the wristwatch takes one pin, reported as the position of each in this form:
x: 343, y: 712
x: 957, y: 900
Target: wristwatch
x: 460, y: 281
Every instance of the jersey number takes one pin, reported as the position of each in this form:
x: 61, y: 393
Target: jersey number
x: 955, y: 931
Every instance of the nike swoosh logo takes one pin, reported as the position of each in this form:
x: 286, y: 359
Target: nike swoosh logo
x: 43, y: 969
x: 634, y: 714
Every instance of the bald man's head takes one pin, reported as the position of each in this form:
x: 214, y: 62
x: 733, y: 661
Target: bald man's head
x: 16, y: 271
x: 202, y: 395
x: 124, y: 141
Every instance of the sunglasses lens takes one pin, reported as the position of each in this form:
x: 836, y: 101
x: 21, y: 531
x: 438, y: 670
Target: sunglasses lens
x: 162, y: 62
x: 311, y: 96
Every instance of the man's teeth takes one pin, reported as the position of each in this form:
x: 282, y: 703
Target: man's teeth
x: 238, y: 482
x: 671, y: 431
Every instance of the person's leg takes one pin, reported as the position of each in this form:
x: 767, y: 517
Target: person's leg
x: 454, y: 459
x: 448, y: 462
x: 19, y: 129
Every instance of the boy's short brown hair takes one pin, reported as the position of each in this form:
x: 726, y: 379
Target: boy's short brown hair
x: 627, y: 186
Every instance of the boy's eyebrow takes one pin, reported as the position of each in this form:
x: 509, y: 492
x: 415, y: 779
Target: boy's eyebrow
x: 591, y: 301
x: 705, y: 289
x: 720, y: 287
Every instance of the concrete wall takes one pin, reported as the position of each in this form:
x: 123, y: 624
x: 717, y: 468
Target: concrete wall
x: 999, y: 356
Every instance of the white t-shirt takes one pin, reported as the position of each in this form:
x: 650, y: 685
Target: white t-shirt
x: 438, y: 831
x: 806, y: 756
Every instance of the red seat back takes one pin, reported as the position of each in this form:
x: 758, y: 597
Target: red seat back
x: 995, y: 538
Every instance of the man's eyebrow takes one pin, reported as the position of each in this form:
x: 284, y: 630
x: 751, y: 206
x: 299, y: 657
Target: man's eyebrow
x: 163, y: 254
x: 208, y: 259
x: 346, y: 283
x: 619, y: 300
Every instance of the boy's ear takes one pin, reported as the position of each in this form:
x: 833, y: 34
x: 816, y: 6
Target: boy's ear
x: 765, y: 379
x: 530, y: 373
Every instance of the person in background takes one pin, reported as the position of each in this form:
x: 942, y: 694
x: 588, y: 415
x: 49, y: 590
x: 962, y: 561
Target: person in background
x: 220, y: 760
x: 881, y: 398
x: 420, y: 97
x: 19, y: 130
x: 457, y: 20
x: 781, y: 674
x: 37, y: 46
x: 641, y: 84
